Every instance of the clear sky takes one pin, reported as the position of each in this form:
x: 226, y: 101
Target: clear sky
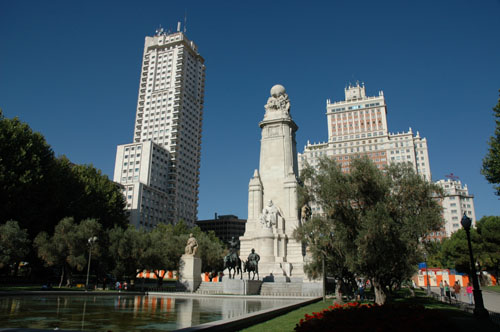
x: 70, y: 69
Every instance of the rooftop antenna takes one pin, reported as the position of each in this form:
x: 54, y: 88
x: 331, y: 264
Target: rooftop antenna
x: 159, y: 30
x: 452, y: 177
x: 185, y: 20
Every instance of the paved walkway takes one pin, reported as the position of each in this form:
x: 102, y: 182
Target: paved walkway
x: 491, y: 299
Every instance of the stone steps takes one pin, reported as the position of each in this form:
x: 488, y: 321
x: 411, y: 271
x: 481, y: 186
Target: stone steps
x: 262, y: 288
x: 210, y: 288
x: 290, y: 289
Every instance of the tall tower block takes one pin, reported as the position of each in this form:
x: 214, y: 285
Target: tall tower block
x: 169, y: 115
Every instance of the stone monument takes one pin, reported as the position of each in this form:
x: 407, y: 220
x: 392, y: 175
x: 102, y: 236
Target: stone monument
x: 190, y: 266
x: 273, y: 211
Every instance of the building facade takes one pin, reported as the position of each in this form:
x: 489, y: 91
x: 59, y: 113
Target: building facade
x: 456, y: 202
x: 169, y: 114
x: 357, y: 126
x: 141, y: 169
x: 225, y: 227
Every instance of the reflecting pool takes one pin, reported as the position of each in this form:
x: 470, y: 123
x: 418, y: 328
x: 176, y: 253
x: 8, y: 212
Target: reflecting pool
x: 124, y: 313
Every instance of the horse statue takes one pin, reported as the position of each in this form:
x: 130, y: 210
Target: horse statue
x: 248, y: 267
x: 252, y: 264
x: 233, y: 263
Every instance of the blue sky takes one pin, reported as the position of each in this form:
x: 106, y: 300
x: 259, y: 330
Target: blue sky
x: 70, y: 69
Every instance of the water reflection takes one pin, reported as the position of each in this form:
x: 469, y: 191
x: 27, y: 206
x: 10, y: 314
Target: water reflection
x: 123, y: 313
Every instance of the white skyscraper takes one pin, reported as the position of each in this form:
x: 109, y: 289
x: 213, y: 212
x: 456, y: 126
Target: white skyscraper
x: 169, y: 114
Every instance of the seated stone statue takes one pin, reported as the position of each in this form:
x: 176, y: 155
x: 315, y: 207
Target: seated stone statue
x: 305, y: 213
x: 270, y: 214
x: 192, y: 246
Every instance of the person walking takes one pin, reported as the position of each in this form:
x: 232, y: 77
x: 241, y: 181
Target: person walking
x: 441, y: 289
x: 361, y: 290
x: 447, y: 291
x: 469, y: 290
x: 456, y: 290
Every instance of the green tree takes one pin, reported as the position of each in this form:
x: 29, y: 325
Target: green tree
x: 97, y: 197
x: 37, y: 190
x: 163, y: 250
x: 318, y: 235
x: 376, y: 217
x: 25, y: 164
x: 14, y: 245
x: 210, y: 249
x: 491, y: 162
x: 127, y: 247
x: 456, y: 251
x: 435, y: 256
x: 488, y: 229
x: 68, y: 247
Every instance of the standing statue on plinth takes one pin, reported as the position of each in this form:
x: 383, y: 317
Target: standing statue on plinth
x: 191, y: 246
x: 231, y: 261
x: 252, y: 264
x: 270, y: 214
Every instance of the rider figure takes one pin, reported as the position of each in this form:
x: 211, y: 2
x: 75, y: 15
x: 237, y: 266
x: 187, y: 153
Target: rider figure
x: 233, y: 251
x: 253, y: 260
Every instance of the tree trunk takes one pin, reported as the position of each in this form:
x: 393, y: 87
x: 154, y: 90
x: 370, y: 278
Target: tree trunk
x: 62, y: 276
x: 159, y: 278
x: 16, y: 268
x: 380, y: 292
x: 338, y: 293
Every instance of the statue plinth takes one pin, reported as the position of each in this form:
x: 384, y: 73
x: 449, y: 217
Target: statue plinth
x: 190, y: 272
x: 265, y: 243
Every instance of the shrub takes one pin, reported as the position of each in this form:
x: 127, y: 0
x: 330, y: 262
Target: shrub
x: 354, y: 316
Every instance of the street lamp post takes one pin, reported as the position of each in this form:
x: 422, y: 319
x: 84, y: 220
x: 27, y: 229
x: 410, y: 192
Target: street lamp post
x: 479, y: 309
x: 91, y: 242
x: 427, y: 274
x: 324, y: 275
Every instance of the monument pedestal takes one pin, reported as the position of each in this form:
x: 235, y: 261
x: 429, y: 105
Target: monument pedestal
x: 273, y: 211
x: 241, y: 287
x: 190, y: 272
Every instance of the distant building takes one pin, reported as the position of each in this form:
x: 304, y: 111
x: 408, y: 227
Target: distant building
x: 357, y: 126
x: 225, y: 227
x: 162, y: 185
x: 456, y: 202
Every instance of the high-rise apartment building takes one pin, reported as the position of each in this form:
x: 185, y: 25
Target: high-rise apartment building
x: 456, y: 201
x: 169, y: 115
x: 357, y: 126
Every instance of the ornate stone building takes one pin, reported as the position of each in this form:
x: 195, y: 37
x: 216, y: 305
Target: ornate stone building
x: 357, y: 126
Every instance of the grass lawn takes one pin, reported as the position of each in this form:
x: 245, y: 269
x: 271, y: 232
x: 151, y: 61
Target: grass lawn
x: 492, y: 288
x: 24, y: 288
x: 287, y: 321
x: 464, y: 321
